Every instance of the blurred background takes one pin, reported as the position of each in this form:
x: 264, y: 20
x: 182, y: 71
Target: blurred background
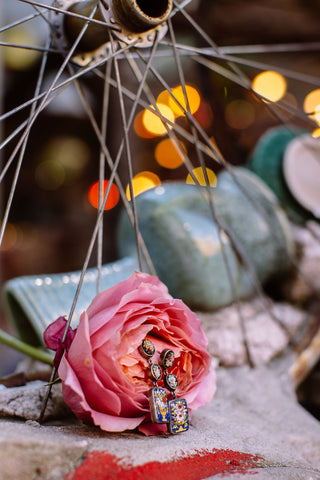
x: 55, y: 204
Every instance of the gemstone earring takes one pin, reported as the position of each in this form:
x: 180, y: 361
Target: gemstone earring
x: 178, y: 408
x: 157, y: 396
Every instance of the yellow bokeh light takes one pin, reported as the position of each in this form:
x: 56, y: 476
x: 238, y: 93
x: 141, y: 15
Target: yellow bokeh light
x: 311, y: 102
x: 316, y: 133
x: 198, y: 173
x: 154, y: 124
x: 316, y: 116
x: 168, y: 153
x: 20, y: 58
x: 139, y: 127
x: 239, y: 114
x: 193, y: 98
x: 164, y: 97
x: 311, y: 105
x: 270, y: 85
x: 142, y: 182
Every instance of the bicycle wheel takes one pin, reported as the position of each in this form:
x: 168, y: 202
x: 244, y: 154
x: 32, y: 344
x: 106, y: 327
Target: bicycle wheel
x: 133, y: 80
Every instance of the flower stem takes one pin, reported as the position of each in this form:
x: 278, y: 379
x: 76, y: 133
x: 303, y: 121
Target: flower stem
x: 36, y: 353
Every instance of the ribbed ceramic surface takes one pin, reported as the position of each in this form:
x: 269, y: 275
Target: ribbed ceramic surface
x: 33, y: 302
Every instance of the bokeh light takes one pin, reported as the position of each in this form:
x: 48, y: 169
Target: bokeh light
x: 311, y: 105
x: 168, y: 153
x: 316, y: 133
x: 198, y: 173
x: 142, y: 182
x: 10, y: 237
x: 193, y: 98
x: 20, y: 58
x: 154, y: 124
x: 316, y: 116
x: 113, y: 197
x: 164, y: 97
x: 49, y: 175
x: 204, y: 115
x: 139, y: 127
x: 312, y: 101
x: 71, y: 152
x: 270, y: 85
x: 239, y: 114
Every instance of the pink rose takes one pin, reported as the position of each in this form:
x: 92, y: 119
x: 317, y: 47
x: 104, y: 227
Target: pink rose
x: 104, y: 377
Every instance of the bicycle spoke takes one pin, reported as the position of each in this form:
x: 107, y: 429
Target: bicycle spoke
x: 28, y: 47
x: 71, y: 14
x: 19, y: 22
x: 264, y: 48
x: 83, y: 71
x: 105, y: 109
x: 13, y: 135
x: 46, y: 95
x: 222, y: 229
x: 23, y: 148
x: 219, y: 54
x: 111, y: 164
x: 214, y: 67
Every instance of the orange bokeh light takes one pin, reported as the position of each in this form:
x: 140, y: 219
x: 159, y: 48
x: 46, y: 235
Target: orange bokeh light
x: 113, y: 197
x: 168, y: 153
x: 164, y: 97
x: 139, y: 127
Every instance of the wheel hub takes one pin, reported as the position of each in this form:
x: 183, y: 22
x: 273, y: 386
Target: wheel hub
x: 132, y: 21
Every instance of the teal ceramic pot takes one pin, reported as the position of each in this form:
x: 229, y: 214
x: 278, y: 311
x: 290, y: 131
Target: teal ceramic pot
x: 183, y: 239
x: 267, y: 163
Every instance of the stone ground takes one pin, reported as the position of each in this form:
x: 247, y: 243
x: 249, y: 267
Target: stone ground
x: 253, y: 428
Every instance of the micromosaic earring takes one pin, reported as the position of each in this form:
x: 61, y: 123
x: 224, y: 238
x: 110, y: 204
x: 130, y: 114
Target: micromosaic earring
x: 178, y: 408
x: 157, y: 396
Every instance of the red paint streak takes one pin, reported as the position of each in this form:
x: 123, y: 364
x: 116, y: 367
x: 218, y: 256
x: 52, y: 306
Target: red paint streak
x: 104, y: 466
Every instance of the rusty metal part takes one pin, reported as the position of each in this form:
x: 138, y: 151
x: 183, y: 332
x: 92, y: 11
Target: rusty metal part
x: 141, y: 15
x: 132, y: 21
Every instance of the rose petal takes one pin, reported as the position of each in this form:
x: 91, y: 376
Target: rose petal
x: 74, y: 397
x: 132, y: 401
x: 113, y: 295
x: 54, y: 333
x: 97, y: 396
x: 115, y: 424
x: 198, y: 397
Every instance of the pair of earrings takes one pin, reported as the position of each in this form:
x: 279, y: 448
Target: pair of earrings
x: 174, y: 412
